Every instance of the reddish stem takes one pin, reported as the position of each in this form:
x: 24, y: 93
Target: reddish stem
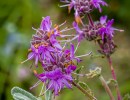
x: 90, y: 19
x: 114, y: 77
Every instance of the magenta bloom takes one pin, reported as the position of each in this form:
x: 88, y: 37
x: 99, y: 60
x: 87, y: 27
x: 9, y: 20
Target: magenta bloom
x: 84, y: 6
x: 97, y: 4
x: 55, y: 60
x: 80, y: 34
x: 46, y: 24
x: 57, y: 79
x: 46, y: 53
x: 106, y: 29
x: 70, y: 54
x: 34, y: 54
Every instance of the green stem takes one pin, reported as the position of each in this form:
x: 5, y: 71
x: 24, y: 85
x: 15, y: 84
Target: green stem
x: 85, y: 92
x: 106, y: 87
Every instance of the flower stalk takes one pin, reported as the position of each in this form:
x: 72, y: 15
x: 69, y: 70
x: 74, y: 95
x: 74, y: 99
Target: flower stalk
x: 106, y: 87
x: 90, y: 19
x: 114, y: 77
x: 85, y: 92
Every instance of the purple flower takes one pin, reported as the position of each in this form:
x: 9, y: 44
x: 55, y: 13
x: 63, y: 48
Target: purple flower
x: 71, y: 54
x: 55, y: 43
x: 84, y: 6
x: 34, y: 54
x: 46, y: 24
x: 46, y: 53
x: 97, y: 4
x: 106, y: 29
x: 56, y: 79
x: 80, y: 34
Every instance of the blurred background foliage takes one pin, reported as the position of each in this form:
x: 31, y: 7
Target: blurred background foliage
x: 17, y: 17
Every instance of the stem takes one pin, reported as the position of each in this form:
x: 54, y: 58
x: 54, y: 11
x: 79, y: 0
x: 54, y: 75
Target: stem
x: 90, y: 19
x: 106, y: 87
x: 85, y: 92
x: 114, y: 77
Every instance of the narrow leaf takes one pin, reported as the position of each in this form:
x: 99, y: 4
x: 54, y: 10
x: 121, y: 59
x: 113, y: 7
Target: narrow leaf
x: 48, y: 95
x: 86, y: 87
x: 78, y: 71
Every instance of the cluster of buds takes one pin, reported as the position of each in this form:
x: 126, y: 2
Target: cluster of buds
x: 56, y: 61
x: 100, y: 31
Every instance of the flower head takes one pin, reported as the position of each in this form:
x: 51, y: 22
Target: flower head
x: 97, y: 4
x: 84, y: 6
x: 57, y: 79
x: 106, y: 29
x: 57, y: 61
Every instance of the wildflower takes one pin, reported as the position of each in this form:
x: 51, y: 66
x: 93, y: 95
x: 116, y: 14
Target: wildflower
x: 57, y: 79
x: 97, y: 4
x: 106, y: 32
x: 106, y: 29
x: 57, y: 61
x: 84, y: 6
x: 34, y: 54
x: 88, y: 32
x: 70, y: 54
x: 44, y: 42
x: 80, y: 34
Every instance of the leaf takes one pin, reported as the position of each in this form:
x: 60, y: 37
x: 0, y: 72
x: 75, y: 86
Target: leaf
x: 20, y: 94
x: 48, y: 95
x: 86, y: 87
x: 79, y: 69
x: 77, y: 72
x: 112, y: 81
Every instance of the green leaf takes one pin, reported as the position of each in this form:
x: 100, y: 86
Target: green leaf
x: 86, y: 87
x: 78, y: 71
x: 20, y: 94
x: 48, y: 95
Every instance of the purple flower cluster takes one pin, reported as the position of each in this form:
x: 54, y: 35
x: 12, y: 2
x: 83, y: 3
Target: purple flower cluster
x: 56, y: 61
x: 100, y: 31
x: 50, y: 52
x: 83, y: 7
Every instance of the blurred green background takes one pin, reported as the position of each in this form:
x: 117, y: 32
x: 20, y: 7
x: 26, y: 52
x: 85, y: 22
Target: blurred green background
x: 17, y: 17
